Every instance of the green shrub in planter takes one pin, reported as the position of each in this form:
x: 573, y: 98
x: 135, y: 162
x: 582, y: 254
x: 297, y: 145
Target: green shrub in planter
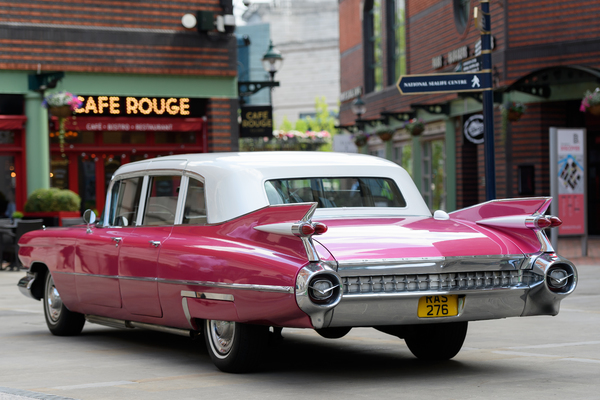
x: 53, y: 199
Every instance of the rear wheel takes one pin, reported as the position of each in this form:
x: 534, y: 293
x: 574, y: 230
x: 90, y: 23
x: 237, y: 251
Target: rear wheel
x: 436, y: 342
x: 235, y: 347
x: 333, y: 333
x: 60, y: 321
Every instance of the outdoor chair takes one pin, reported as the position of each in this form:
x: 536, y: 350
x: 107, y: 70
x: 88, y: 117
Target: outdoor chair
x: 22, y: 228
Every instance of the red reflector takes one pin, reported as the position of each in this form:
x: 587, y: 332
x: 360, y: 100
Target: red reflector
x: 307, y: 230
x: 543, y: 222
x: 555, y: 221
x: 320, y: 228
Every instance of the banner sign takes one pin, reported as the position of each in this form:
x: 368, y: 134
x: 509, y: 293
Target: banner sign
x: 442, y: 83
x: 571, y: 180
x: 257, y: 121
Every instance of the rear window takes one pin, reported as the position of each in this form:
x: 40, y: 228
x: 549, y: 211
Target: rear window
x: 336, y: 192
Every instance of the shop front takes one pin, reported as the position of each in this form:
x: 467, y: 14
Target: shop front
x: 109, y: 131
x: 12, y: 150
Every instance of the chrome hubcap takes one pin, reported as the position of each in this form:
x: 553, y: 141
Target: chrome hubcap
x: 54, y: 302
x: 222, y: 334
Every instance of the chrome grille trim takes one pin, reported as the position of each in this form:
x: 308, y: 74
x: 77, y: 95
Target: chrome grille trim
x: 439, y: 282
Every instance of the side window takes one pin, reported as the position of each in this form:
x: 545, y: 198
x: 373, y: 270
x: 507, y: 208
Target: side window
x: 125, y: 200
x: 194, y: 211
x: 161, y: 203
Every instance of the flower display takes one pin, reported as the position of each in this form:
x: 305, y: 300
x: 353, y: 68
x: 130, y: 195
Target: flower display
x: 513, y: 110
x: 62, y: 105
x: 288, y: 140
x: 62, y: 99
x: 591, y: 102
x: 361, y: 138
x: 415, y: 126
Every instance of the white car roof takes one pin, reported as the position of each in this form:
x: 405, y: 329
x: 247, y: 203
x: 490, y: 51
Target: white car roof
x: 234, y: 182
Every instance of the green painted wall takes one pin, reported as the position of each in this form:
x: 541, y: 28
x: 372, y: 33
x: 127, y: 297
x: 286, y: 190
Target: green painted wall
x: 37, y: 142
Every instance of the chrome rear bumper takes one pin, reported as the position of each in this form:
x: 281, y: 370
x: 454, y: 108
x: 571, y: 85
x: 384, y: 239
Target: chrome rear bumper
x: 26, y: 283
x: 392, y: 299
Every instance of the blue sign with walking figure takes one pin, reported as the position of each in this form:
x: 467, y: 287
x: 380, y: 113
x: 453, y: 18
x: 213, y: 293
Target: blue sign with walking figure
x: 442, y: 83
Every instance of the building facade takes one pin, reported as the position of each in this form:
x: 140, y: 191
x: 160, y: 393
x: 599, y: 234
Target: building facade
x: 544, y: 56
x: 149, y: 87
x: 306, y: 33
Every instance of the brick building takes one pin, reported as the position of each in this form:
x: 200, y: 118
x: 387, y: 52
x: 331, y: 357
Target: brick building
x: 545, y: 55
x: 149, y: 86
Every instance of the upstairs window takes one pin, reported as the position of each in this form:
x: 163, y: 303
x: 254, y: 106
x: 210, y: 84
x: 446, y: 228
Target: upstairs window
x: 396, y: 40
x: 373, y: 46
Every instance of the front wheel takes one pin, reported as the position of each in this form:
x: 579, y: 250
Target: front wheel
x: 436, y: 342
x: 235, y: 347
x: 60, y: 321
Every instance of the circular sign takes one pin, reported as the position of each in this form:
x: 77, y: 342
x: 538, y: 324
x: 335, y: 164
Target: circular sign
x: 473, y: 129
x: 188, y: 21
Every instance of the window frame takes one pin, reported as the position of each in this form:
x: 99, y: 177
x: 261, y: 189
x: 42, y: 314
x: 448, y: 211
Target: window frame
x: 369, y: 41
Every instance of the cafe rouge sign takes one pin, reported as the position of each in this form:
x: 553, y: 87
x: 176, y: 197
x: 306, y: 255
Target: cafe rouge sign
x: 257, y: 121
x: 123, y: 106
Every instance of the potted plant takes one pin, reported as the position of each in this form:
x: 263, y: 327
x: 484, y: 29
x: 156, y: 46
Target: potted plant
x: 52, y: 205
x: 16, y: 216
x: 62, y: 105
x: 591, y: 102
x: 414, y: 126
x: 513, y: 110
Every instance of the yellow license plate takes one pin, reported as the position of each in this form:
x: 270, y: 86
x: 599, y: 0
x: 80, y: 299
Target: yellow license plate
x: 438, y: 306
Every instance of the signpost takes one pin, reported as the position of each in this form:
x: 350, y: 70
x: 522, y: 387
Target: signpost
x: 475, y: 81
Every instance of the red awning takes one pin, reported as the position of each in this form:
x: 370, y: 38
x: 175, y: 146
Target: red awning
x: 134, y: 124
x: 11, y: 122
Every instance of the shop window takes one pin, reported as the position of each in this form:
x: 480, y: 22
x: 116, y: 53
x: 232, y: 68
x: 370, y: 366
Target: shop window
x: 526, y: 179
x: 7, y: 186
x: 402, y: 155
x: 116, y: 137
x: 87, y: 182
x: 73, y: 137
x: 111, y: 164
x: 462, y: 8
x: 396, y: 40
x: 161, y: 203
x: 377, y: 152
x: 194, y: 212
x: 373, y: 46
x: 174, y: 137
x: 7, y: 137
x: 433, y: 187
x: 59, y: 172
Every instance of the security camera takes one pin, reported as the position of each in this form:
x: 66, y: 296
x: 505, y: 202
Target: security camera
x: 225, y: 23
x: 247, y: 3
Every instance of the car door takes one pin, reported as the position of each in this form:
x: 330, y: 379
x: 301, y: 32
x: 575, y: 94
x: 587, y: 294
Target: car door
x: 138, y: 257
x: 97, y: 251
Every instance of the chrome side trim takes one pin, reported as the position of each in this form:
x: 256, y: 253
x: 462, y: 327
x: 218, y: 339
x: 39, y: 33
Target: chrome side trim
x: 186, y: 311
x: 236, y: 286
x: 207, y: 296
x: 118, y: 323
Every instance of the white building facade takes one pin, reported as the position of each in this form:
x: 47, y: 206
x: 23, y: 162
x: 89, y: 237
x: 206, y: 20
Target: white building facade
x: 307, y: 34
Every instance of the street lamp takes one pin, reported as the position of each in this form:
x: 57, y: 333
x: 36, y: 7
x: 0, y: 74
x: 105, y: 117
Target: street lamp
x: 272, y: 60
x: 358, y: 108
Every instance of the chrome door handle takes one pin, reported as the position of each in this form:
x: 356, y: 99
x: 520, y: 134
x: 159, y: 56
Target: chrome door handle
x: 154, y: 243
x: 117, y: 240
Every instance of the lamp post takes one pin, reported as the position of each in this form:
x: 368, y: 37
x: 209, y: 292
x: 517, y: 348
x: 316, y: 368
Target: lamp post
x: 358, y: 108
x: 272, y: 61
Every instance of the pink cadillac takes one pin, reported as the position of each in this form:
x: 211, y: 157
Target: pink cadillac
x: 236, y: 246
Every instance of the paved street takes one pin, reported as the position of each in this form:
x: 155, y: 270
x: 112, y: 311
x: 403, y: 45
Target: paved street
x: 532, y: 358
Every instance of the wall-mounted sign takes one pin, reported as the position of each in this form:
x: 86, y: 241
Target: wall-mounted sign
x: 458, y: 54
x: 123, y: 106
x: 257, y: 121
x: 473, y: 128
x: 350, y: 94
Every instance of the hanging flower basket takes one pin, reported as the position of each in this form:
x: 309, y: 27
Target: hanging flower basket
x: 591, y: 102
x: 513, y: 111
x: 414, y: 126
x: 361, y: 139
x: 514, y: 116
x: 384, y: 132
x: 61, y: 111
x: 62, y: 105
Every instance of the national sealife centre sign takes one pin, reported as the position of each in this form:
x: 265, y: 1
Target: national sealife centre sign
x: 442, y: 83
